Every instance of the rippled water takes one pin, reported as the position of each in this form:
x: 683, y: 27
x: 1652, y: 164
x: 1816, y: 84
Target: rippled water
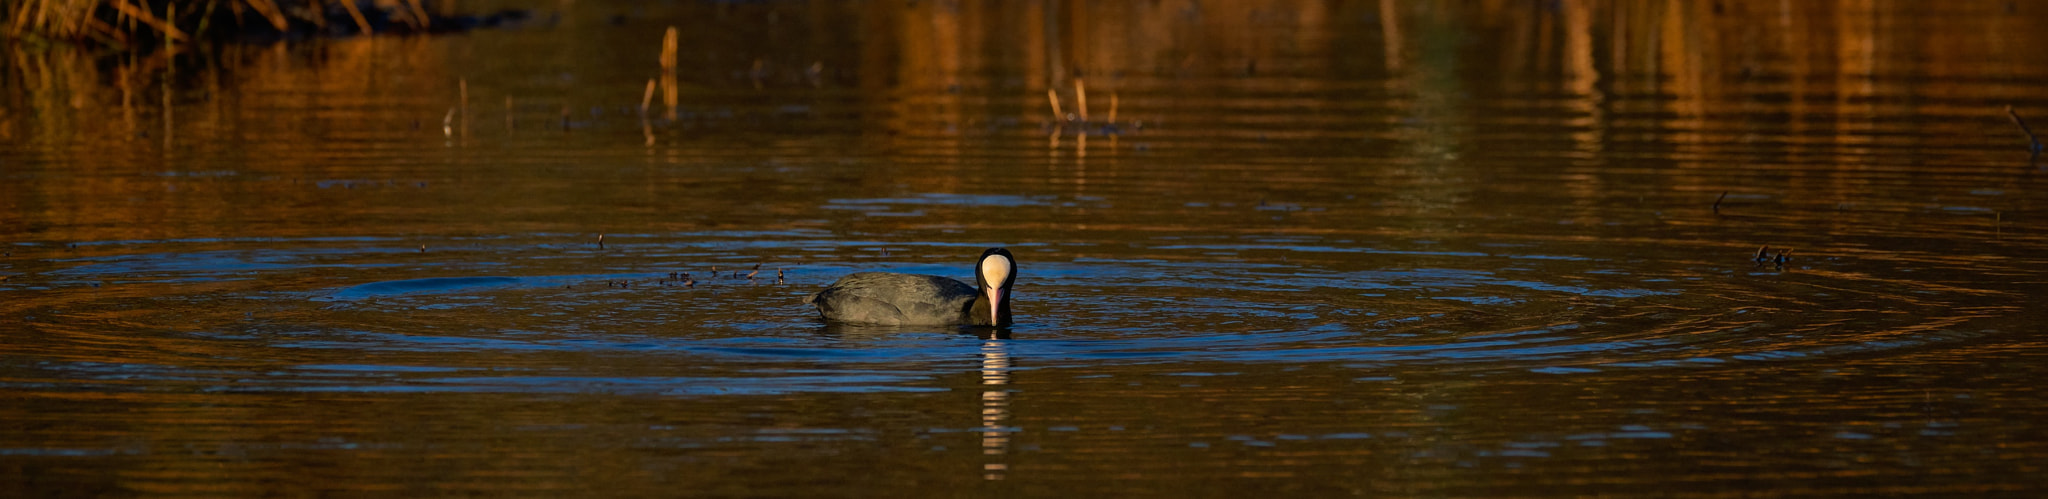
x: 1322, y: 248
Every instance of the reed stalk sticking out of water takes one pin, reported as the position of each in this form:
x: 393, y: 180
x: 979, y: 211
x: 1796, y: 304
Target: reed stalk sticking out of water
x: 1081, y: 98
x: 1053, y: 96
x: 1112, y: 108
x: 647, y: 98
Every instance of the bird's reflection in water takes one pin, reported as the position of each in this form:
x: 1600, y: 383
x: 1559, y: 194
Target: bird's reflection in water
x: 995, y: 407
x: 995, y: 381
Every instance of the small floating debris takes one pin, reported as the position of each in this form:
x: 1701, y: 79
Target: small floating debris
x: 1764, y: 255
x: 1717, y: 202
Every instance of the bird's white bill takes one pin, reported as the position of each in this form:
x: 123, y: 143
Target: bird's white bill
x: 995, y: 306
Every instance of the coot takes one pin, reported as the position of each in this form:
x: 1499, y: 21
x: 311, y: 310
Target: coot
x: 892, y: 299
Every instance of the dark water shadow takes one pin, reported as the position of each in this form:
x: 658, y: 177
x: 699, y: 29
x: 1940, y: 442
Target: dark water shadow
x: 843, y: 331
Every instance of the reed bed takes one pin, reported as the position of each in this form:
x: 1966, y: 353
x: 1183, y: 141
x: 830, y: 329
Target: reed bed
x: 131, y: 23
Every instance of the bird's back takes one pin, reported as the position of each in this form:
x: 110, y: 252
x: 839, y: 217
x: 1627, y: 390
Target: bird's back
x: 895, y: 299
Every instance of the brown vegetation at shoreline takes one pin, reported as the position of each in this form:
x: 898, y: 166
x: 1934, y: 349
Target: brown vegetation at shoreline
x: 142, y: 23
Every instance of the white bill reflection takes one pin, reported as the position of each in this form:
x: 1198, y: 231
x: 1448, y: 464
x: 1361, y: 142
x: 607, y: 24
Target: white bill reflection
x: 995, y: 409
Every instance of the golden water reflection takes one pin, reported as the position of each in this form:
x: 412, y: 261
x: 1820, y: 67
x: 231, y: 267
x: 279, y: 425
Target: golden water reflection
x: 1799, y: 82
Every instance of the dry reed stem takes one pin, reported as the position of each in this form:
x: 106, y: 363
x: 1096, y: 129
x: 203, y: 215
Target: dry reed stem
x: 146, y: 18
x: 420, y: 11
x: 1053, y: 96
x: 1081, y: 98
x: 270, y: 11
x: 204, y: 18
x: 1112, y: 107
x: 647, y: 129
x: 318, y: 7
x: 107, y: 32
x: 647, y: 98
x: 19, y: 18
x: 463, y: 83
x: 356, y: 14
x: 669, y: 51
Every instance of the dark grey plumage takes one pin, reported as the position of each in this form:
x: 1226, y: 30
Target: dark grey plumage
x: 892, y: 299
x: 896, y: 300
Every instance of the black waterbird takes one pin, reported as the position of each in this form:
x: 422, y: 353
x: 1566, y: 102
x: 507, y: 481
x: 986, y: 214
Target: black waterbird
x: 893, y: 299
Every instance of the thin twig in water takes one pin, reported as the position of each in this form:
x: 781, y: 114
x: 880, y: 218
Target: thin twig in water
x: 1717, y: 202
x: 2034, y: 142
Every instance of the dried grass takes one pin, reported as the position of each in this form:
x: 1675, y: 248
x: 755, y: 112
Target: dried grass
x: 117, y: 22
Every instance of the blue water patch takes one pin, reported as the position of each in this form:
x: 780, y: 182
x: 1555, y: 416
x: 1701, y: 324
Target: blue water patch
x: 421, y: 286
x: 1002, y: 200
